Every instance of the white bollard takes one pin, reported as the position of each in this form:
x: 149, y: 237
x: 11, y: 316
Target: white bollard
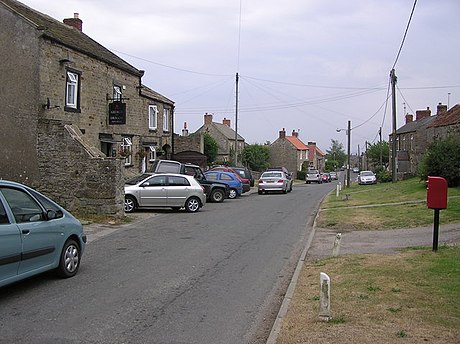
x: 340, y: 186
x: 325, y: 297
x: 336, y: 248
x: 337, y: 192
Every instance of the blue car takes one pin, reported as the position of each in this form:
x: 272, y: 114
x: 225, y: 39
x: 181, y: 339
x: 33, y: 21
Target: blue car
x: 36, y: 235
x: 236, y: 187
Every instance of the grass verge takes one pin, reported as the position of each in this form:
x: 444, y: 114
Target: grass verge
x: 411, y: 297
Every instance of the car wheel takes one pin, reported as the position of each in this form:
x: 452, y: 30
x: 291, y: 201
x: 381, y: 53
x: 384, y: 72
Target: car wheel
x: 260, y: 192
x: 69, y: 261
x: 130, y: 204
x: 285, y: 191
x: 192, y: 205
x: 217, y: 196
x: 233, y: 193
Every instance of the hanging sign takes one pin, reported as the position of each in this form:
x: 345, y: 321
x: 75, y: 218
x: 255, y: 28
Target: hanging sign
x: 117, y: 113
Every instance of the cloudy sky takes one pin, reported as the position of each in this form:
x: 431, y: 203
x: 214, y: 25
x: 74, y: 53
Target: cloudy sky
x: 304, y: 65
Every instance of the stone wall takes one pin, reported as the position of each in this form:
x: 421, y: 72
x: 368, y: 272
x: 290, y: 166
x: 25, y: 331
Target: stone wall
x: 74, y: 175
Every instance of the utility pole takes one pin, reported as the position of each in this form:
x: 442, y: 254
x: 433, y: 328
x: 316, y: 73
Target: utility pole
x: 380, y: 141
x: 393, y: 146
x: 236, y: 122
x: 367, y: 159
x: 359, y: 159
x: 348, y: 149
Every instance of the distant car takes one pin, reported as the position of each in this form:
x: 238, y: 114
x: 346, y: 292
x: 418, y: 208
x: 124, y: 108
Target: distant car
x: 286, y: 172
x: 313, y: 176
x: 36, y: 235
x: 273, y: 181
x: 333, y: 175
x: 246, y: 183
x: 367, y: 177
x: 229, y: 178
x: 326, y: 177
x: 245, y: 173
x: 166, y: 190
x: 355, y: 170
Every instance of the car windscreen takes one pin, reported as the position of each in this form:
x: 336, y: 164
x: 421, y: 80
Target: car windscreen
x: 271, y: 175
x: 367, y: 174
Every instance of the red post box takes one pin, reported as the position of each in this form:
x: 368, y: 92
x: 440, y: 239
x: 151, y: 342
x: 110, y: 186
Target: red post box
x: 436, y: 196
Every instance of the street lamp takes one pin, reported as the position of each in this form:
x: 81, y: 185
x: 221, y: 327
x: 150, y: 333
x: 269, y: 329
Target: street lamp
x: 348, y: 151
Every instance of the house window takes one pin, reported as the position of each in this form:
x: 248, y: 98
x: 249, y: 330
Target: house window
x: 72, y: 93
x: 117, y: 93
x: 165, y: 119
x: 127, y: 150
x: 152, y: 153
x: 153, y: 113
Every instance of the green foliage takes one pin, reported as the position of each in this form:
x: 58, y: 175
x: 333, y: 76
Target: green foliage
x: 379, y: 149
x: 301, y: 175
x: 442, y: 159
x: 383, y: 175
x: 256, y: 157
x: 210, y: 148
x: 336, y: 154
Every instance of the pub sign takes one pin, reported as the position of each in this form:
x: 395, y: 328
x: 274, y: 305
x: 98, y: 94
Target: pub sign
x: 117, y: 113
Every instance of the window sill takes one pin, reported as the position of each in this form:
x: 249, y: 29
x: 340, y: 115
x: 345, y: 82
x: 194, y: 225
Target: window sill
x: 69, y: 109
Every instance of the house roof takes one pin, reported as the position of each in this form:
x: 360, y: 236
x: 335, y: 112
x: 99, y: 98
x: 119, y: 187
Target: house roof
x: 415, y: 125
x: 68, y: 36
x: 149, y: 93
x: 450, y: 117
x: 299, y: 145
x: 228, y: 132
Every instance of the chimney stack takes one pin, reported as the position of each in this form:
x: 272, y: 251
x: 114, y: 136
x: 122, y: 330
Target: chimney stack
x: 74, y: 22
x: 409, y: 118
x: 207, y: 118
x: 295, y: 133
x: 441, y: 109
x: 226, y: 122
x: 282, y: 134
x: 421, y: 114
x: 185, y: 130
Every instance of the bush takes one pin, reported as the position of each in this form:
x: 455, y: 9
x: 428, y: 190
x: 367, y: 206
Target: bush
x: 383, y: 175
x: 442, y: 159
x: 301, y: 175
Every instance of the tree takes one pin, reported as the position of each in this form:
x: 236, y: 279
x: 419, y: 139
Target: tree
x: 256, y: 157
x: 210, y: 148
x: 336, y: 156
x: 375, y: 151
x: 442, y: 159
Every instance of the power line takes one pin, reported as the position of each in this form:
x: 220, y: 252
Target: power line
x: 405, y: 34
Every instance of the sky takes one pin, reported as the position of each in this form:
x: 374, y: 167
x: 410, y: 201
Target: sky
x: 304, y: 65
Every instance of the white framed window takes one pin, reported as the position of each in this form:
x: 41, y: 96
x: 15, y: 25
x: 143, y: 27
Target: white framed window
x: 72, y: 90
x: 117, y: 93
x: 153, y: 117
x: 152, y: 153
x: 165, y: 119
x: 127, y: 150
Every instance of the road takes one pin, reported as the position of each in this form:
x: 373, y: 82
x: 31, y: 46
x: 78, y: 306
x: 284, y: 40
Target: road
x: 216, y: 276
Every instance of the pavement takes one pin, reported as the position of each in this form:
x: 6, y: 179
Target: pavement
x: 324, y: 243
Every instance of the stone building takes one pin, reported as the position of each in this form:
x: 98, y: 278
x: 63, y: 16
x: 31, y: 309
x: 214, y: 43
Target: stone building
x: 290, y: 152
x: 225, y: 138
x: 316, y: 157
x: 447, y: 123
x: 76, y: 118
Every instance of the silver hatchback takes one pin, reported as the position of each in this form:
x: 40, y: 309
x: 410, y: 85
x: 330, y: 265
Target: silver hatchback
x: 273, y: 181
x: 165, y: 190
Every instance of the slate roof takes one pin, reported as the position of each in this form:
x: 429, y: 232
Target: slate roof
x: 415, y: 125
x: 68, y: 36
x: 228, y: 132
x: 149, y: 93
x: 295, y: 141
x: 450, y: 117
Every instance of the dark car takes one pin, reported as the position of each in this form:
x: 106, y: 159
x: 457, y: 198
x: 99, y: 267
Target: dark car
x: 215, y: 192
x: 246, y: 183
x: 230, y: 178
x: 245, y: 173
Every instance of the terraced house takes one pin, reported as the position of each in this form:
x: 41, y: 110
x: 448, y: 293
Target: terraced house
x: 76, y: 118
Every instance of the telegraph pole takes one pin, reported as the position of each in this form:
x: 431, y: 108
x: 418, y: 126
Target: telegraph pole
x: 236, y: 121
x: 393, y: 146
x: 348, y: 149
x: 380, y: 141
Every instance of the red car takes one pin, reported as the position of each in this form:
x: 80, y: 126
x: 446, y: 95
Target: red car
x: 244, y: 181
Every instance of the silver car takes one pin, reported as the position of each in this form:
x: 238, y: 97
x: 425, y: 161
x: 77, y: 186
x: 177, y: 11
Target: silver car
x: 273, y: 181
x: 367, y: 177
x: 168, y: 190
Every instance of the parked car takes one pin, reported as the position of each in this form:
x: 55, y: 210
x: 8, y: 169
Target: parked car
x: 215, y: 192
x: 36, y: 235
x: 286, y: 172
x: 246, y: 183
x: 313, y: 176
x: 229, y: 178
x: 333, y: 175
x: 355, y: 170
x: 273, y: 181
x: 168, y: 190
x: 245, y: 173
x: 326, y: 177
x: 367, y: 177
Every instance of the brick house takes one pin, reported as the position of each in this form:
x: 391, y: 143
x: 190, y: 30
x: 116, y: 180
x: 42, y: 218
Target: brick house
x: 316, y: 157
x: 76, y: 118
x: 225, y: 138
x: 415, y: 136
x: 290, y: 152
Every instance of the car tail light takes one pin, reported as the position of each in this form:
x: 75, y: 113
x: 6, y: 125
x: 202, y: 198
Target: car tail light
x: 280, y: 181
x: 261, y: 181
